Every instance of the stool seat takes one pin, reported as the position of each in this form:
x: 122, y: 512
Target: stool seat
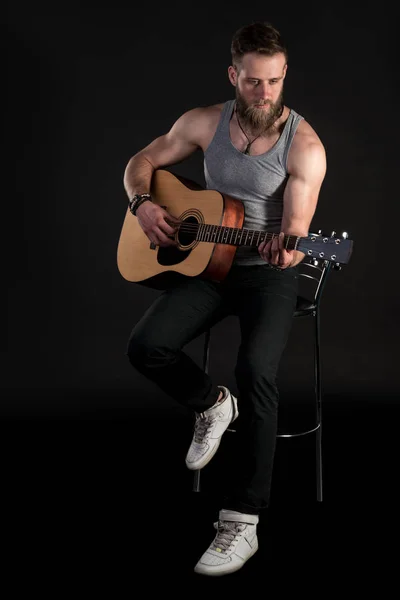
x: 304, y: 307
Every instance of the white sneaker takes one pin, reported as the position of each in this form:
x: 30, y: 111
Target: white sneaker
x: 208, y: 430
x: 236, y: 541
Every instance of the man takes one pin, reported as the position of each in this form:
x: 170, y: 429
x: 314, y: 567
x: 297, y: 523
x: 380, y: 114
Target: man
x: 263, y: 153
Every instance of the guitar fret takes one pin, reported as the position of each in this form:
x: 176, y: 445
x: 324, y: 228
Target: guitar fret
x: 240, y: 236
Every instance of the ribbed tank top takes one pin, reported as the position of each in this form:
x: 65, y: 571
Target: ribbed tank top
x: 258, y: 181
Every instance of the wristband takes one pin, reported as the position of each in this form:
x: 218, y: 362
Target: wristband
x: 136, y: 201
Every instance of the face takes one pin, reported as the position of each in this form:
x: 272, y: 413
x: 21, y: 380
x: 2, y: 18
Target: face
x: 259, y: 89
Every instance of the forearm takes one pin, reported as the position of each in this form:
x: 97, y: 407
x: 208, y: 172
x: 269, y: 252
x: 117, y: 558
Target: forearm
x: 138, y: 175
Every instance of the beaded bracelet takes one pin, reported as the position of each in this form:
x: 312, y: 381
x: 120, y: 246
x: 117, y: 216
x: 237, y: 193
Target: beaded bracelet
x: 136, y: 201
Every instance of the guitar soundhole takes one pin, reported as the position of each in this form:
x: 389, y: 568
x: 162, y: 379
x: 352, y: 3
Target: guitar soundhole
x: 187, y: 241
x: 187, y: 232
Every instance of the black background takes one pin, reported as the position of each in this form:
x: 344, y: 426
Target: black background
x: 89, y: 444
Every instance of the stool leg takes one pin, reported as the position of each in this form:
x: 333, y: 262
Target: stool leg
x: 318, y: 395
x: 206, y: 362
x: 196, y: 481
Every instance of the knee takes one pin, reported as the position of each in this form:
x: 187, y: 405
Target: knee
x: 135, y: 351
x: 255, y: 368
x: 256, y: 380
x: 146, y: 354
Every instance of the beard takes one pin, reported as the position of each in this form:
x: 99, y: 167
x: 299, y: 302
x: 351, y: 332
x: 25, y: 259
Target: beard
x: 259, y: 119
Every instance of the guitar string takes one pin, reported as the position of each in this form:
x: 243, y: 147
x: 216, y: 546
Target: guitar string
x: 192, y: 227
x: 265, y: 234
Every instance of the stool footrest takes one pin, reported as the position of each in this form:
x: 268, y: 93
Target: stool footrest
x: 286, y: 435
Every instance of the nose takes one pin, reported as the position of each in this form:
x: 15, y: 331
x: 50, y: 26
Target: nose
x: 264, y: 90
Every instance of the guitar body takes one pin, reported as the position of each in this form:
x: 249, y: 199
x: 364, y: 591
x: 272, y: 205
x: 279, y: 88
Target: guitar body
x: 141, y: 262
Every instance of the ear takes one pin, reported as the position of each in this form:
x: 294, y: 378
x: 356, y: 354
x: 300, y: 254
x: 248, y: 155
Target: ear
x: 284, y: 71
x: 232, y: 74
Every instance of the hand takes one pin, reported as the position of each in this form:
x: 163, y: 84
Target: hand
x: 274, y: 253
x: 153, y: 220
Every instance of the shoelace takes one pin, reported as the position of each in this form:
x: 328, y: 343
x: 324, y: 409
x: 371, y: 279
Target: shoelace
x: 202, y: 427
x: 227, y: 531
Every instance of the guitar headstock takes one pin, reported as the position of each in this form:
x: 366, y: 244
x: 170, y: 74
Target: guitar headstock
x: 327, y: 247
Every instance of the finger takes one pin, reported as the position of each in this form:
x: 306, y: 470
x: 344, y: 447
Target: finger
x: 275, y: 250
x: 265, y: 253
x: 163, y: 239
x: 284, y: 258
x: 265, y: 246
x: 265, y: 256
x: 275, y: 256
x: 275, y: 242
x: 281, y: 240
x: 171, y: 219
x: 167, y: 229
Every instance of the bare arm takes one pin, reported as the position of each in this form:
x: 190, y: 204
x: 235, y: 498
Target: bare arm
x: 307, y: 168
x: 302, y: 191
x: 180, y: 142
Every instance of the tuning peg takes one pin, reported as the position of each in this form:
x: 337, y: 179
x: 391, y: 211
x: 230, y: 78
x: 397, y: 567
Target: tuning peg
x: 337, y: 267
x: 345, y: 235
x: 333, y: 233
x: 315, y: 262
x: 319, y: 231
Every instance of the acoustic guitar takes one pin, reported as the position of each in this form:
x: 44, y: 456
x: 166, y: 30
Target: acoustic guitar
x: 210, y: 230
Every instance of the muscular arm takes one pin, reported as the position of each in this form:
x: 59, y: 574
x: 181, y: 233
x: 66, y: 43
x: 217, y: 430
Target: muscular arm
x: 180, y: 142
x: 307, y: 170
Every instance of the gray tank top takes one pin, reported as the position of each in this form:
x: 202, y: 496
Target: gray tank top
x: 258, y: 181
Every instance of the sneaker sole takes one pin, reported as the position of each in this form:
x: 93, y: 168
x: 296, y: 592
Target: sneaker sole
x: 203, y: 571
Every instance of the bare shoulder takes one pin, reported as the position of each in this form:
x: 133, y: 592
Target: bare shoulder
x: 307, y: 149
x: 306, y: 139
x: 201, y: 122
x: 203, y: 115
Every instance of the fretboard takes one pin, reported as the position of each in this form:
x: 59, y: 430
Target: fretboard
x: 240, y: 237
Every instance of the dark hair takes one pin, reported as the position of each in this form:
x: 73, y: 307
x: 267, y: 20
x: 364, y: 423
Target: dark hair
x: 259, y: 37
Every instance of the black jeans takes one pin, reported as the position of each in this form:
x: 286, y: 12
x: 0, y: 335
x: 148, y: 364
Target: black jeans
x: 264, y: 301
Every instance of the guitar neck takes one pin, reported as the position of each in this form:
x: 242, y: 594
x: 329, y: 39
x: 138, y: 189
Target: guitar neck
x: 240, y: 237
